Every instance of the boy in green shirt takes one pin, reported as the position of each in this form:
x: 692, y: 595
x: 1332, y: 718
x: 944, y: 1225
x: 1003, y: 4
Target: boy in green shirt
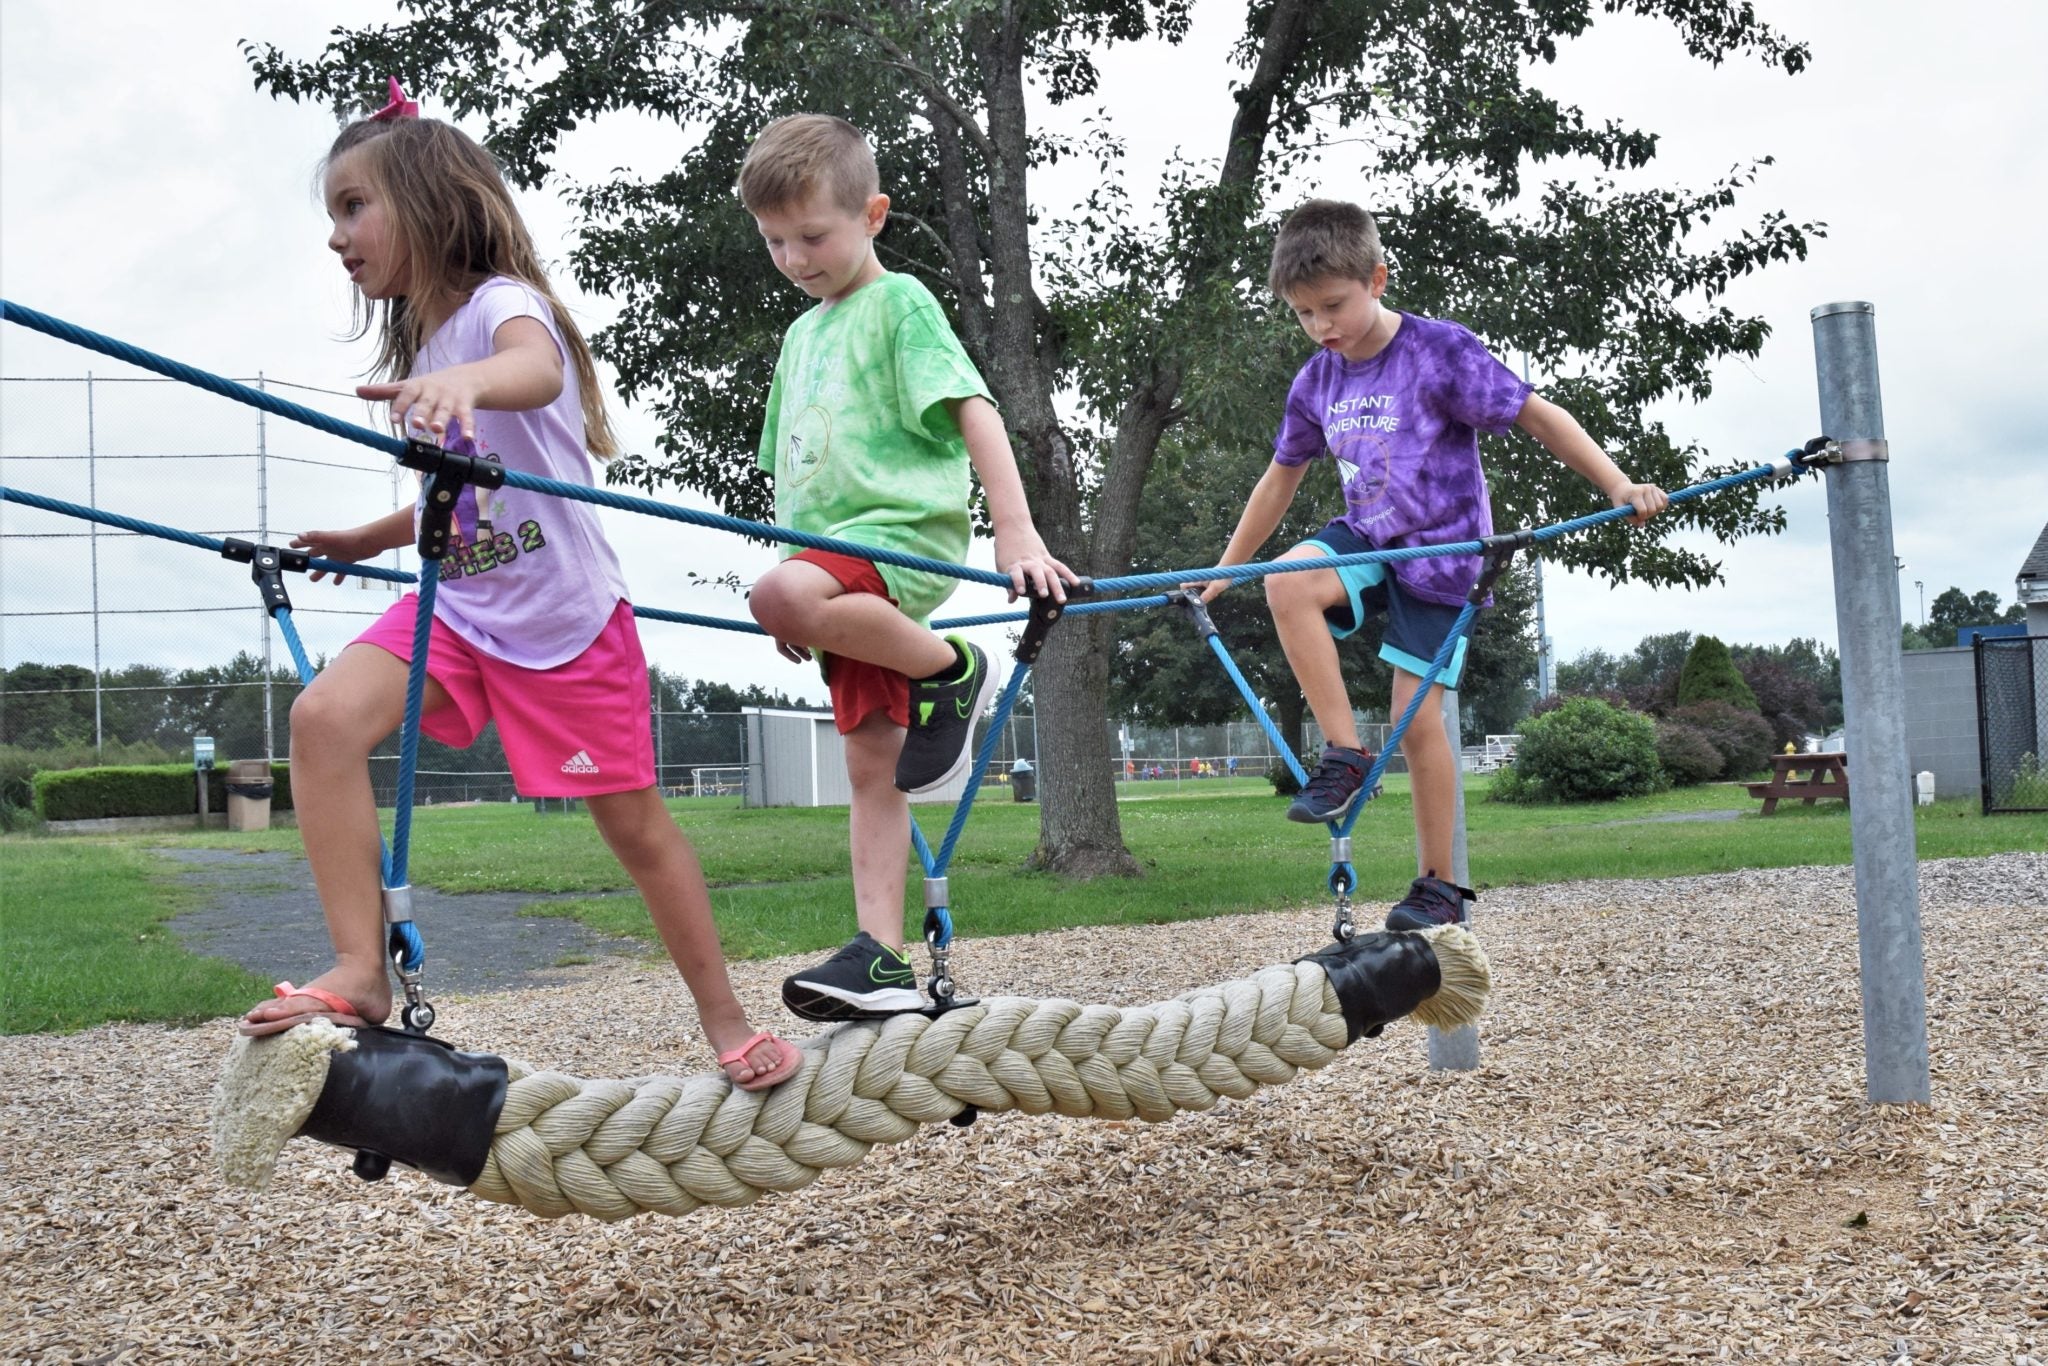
x: 875, y: 416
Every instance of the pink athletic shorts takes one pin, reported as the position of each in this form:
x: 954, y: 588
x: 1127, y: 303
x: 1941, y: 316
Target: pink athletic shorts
x: 579, y: 729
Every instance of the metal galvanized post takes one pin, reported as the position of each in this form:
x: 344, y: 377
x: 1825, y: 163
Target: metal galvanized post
x: 1867, y: 626
x: 1455, y: 1050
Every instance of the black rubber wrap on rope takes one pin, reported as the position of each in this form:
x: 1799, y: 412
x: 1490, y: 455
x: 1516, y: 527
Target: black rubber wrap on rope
x: 412, y: 1099
x: 1378, y: 978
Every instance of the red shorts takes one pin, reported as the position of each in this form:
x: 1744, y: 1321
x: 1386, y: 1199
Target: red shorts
x: 579, y: 729
x: 859, y: 689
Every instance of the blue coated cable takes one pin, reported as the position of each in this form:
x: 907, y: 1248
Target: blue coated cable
x: 171, y: 533
x: 283, y: 617
x: 1286, y: 751
x: 269, y: 402
x: 981, y: 762
x: 409, y: 734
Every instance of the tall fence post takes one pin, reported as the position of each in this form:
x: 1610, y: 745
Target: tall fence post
x: 1867, y: 626
x: 1455, y: 1050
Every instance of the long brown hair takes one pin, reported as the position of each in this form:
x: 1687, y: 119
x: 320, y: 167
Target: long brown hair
x: 451, y: 210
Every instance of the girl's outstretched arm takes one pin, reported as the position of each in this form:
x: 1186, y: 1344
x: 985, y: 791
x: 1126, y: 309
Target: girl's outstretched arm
x: 523, y: 371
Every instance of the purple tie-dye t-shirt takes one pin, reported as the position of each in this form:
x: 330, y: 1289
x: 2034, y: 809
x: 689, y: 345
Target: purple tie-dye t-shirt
x: 1403, y: 427
x: 529, y: 578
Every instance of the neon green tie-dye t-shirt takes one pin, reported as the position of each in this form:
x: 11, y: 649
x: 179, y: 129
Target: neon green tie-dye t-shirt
x: 859, y: 437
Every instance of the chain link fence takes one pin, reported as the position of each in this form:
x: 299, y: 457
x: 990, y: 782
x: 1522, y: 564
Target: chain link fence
x: 118, y: 646
x: 2012, y: 721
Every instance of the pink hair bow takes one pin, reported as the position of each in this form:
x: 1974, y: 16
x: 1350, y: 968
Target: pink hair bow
x: 400, y: 107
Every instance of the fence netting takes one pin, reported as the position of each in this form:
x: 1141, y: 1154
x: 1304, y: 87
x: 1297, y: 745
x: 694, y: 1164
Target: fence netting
x: 2012, y: 721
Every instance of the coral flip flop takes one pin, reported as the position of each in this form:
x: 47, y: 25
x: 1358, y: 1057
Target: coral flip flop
x: 339, y: 1010
x: 792, y: 1059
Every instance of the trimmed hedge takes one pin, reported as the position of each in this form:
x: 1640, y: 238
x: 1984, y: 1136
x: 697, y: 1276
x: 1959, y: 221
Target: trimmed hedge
x: 1688, y: 757
x: 1742, y: 738
x: 84, y: 794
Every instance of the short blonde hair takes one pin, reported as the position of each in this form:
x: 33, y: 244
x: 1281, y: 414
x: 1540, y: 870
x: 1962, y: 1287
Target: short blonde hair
x: 796, y: 156
x: 1324, y: 239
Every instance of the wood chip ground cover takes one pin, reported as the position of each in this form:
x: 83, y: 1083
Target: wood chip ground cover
x: 1666, y: 1156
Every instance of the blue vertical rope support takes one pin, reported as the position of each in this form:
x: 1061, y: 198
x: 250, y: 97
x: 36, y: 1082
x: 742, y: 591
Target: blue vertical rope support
x: 406, y: 944
x: 283, y: 617
x: 996, y: 724
x: 1266, y: 723
x: 1444, y: 653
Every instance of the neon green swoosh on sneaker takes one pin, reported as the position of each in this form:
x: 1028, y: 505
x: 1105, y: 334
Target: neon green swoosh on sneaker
x: 890, y: 971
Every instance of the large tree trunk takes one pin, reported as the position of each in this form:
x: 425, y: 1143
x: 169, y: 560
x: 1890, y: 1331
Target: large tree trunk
x: 1291, y: 712
x: 1078, y: 830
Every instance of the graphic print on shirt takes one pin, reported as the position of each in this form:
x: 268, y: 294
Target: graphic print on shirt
x: 810, y: 442
x: 1357, y: 431
x: 818, y: 387
x: 475, y: 545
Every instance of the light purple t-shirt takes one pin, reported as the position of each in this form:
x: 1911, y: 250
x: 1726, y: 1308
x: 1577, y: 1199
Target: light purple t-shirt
x: 1403, y: 427
x: 528, y: 579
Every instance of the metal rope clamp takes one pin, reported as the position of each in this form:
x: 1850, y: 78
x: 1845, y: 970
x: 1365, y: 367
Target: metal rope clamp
x: 1824, y: 450
x: 938, y: 939
x: 1045, y: 610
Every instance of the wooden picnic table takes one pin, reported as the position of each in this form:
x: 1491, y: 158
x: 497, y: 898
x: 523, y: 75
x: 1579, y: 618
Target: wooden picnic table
x: 1824, y: 775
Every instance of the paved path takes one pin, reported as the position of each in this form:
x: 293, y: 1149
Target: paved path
x: 259, y: 910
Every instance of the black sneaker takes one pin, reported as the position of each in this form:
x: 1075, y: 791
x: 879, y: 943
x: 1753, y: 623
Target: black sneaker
x: 1430, y: 902
x: 1334, y: 788
x: 861, y: 981
x: 942, y: 712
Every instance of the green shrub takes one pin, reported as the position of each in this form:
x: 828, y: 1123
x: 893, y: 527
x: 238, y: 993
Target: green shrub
x: 80, y: 794
x: 1510, y: 786
x: 1741, y: 738
x: 1710, y: 675
x: 2029, y: 784
x: 1686, y: 755
x: 1285, y: 784
x: 1587, y: 751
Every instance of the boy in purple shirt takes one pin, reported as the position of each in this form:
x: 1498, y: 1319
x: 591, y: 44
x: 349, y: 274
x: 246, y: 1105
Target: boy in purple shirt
x: 1398, y: 402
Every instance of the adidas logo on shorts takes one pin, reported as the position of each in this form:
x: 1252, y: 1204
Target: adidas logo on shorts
x: 580, y: 762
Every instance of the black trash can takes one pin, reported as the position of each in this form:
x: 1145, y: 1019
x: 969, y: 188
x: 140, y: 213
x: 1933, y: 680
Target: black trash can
x: 1023, y: 782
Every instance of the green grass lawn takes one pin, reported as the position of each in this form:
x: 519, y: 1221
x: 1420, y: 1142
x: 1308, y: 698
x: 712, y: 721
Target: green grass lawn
x: 780, y: 883
x: 82, y: 941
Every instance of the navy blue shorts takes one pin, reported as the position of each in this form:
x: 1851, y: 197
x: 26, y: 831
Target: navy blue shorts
x: 1416, y: 630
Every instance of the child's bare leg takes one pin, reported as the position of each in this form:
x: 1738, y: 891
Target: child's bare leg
x: 878, y: 825
x: 659, y: 859
x: 1298, y: 602
x: 1433, y: 774
x: 357, y: 701
x: 801, y: 603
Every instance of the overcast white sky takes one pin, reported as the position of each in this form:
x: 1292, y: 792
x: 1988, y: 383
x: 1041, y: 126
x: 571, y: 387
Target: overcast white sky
x: 148, y: 192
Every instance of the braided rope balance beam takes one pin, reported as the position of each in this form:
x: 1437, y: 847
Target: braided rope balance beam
x: 559, y: 1145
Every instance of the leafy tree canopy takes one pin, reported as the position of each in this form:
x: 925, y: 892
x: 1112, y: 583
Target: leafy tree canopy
x: 1103, y: 327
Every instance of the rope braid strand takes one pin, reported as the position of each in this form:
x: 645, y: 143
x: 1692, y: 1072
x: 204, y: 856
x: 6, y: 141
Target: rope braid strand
x: 557, y: 1145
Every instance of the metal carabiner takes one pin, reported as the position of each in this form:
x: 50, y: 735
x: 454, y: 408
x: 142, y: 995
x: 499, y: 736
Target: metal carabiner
x: 1343, y: 880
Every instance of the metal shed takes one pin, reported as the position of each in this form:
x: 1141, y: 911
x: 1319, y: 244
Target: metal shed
x: 799, y: 760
